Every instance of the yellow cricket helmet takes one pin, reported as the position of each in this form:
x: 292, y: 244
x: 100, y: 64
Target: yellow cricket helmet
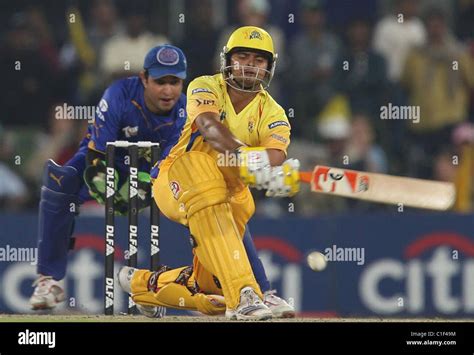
x: 254, y: 39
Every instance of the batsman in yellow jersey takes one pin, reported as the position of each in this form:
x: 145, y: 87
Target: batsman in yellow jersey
x: 235, y: 137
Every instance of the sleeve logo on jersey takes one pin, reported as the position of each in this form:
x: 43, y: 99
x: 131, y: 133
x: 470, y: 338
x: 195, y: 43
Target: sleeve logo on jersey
x: 103, y: 105
x: 99, y: 114
x: 198, y: 90
x: 205, y: 102
x: 277, y: 124
x: 279, y: 138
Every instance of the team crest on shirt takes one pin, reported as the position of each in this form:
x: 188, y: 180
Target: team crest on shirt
x: 251, y: 126
x: 255, y: 35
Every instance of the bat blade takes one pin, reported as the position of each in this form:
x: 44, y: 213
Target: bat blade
x: 435, y: 195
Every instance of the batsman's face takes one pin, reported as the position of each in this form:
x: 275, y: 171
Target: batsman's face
x: 248, y: 68
x: 162, y: 93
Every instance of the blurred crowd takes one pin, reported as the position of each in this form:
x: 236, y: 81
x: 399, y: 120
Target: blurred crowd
x: 342, y: 66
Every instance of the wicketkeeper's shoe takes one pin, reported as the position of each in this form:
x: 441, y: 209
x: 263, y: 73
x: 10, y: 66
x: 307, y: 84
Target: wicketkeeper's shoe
x: 279, y: 307
x: 251, y: 307
x: 47, y: 294
x: 124, y: 278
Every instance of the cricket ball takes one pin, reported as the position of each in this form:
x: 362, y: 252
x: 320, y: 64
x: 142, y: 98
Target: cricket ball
x: 316, y: 261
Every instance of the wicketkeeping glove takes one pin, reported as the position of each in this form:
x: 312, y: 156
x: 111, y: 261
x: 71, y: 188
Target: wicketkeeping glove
x: 143, y: 190
x: 94, y: 177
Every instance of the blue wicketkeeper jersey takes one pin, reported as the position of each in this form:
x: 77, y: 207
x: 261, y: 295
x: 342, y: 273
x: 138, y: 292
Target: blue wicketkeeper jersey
x: 122, y: 115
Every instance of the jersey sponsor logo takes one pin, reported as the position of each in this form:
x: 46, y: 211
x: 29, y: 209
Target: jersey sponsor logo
x: 279, y: 138
x: 277, y: 124
x: 255, y: 35
x: 130, y: 131
x: 175, y: 189
x: 205, y: 102
x: 167, y: 56
x: 103, y: 105
x: 198, y: 90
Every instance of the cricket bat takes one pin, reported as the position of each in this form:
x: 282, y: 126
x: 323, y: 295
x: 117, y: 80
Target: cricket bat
x: 434, y: 195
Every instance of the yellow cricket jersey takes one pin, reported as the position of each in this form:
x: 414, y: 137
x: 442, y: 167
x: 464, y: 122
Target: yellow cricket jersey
x: 262, y: 123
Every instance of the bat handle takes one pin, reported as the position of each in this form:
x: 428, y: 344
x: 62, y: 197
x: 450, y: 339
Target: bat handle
x: 305, y: 176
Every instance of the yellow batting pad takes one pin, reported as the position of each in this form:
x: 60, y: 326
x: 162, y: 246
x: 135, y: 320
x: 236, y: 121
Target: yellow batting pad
x: 196, y: 181
x: 164, y: 199
x: 179, y: 297
x: 199, y: 185
x: 173, y: 295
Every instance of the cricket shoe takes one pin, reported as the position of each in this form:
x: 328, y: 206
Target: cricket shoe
x: 124, y: 278
x: 47, y: 294
x: 152, y: 311
x: 251, y: 307
x: 279, y: 307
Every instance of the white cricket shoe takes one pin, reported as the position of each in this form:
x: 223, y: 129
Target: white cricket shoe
x: 251, y: 307
x: 152, y: 311
x: 279, y: 307
x: 124, y: 278
x: 47, y: 294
